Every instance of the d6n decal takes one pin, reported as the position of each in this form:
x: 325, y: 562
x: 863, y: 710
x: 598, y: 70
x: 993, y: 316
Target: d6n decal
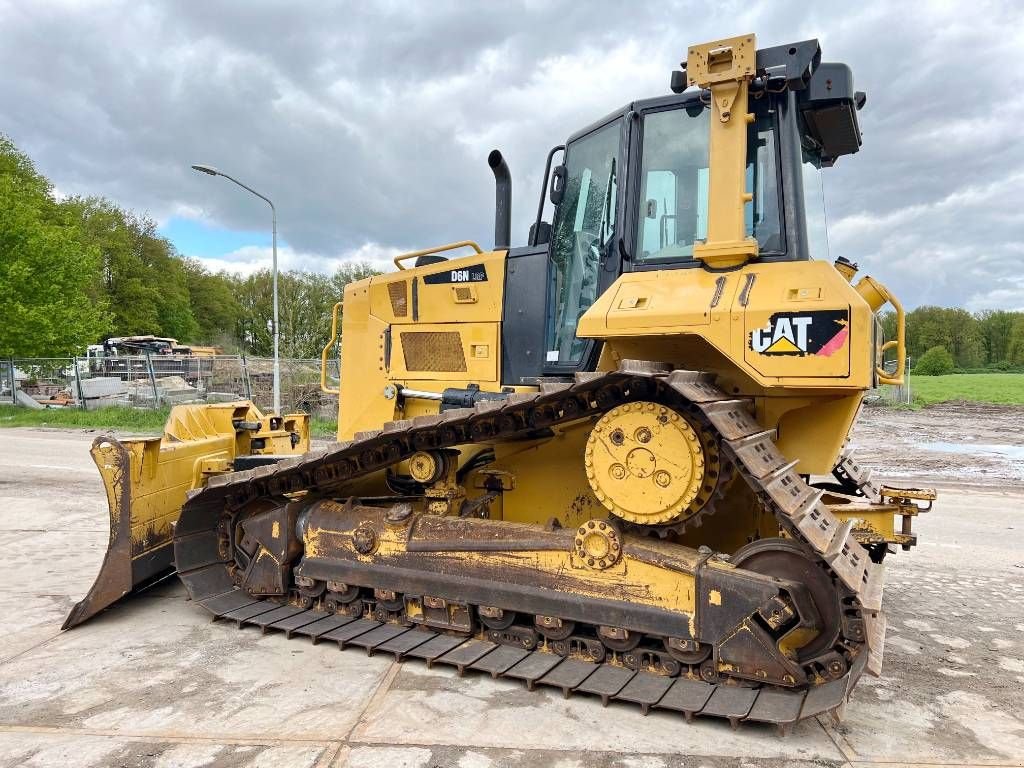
x: 821, y: 333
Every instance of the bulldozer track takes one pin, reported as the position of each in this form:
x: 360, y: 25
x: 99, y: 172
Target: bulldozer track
x: 204, y: 562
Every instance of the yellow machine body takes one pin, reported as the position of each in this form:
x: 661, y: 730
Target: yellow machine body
x: 692, y: 318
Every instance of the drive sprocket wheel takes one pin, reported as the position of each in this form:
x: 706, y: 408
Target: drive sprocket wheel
x: 651, y: 465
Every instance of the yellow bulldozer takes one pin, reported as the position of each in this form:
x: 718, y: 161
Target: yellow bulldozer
x: 611, y: 461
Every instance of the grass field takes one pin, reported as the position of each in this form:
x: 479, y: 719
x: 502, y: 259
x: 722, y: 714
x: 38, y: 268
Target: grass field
x: 126, y: 419
x: 1001, y: 388
x: 121, y: 419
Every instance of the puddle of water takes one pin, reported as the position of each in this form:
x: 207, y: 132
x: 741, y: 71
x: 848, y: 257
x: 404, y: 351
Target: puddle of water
x: 1005, y: 451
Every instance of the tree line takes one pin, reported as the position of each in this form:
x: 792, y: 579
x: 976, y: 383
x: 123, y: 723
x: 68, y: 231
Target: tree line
x: 992, y: 339
x: 77, y: 270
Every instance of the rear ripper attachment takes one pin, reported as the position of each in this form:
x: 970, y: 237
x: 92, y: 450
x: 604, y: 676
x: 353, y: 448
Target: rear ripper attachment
x: 873, y: 507
x: 779, y: 632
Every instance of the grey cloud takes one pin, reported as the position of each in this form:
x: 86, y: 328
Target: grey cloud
x: 371, y: 123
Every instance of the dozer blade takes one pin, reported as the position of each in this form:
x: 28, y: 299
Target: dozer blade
x: 147, y: 480
x: 117, y: 574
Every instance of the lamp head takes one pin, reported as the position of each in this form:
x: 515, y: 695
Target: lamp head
x: 207, y: 169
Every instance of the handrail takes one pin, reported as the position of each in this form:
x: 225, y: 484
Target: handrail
x: 437, y: 249
x: 877, y: 295
x: 544, y: 191
x: 327, y: 347
x: 900, y: 342
x: 897, y: 378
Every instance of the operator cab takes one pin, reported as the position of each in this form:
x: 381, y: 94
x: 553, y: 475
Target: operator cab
x: 632, y: 193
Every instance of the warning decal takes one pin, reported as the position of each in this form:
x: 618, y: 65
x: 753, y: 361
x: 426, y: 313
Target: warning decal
x: 821, y: 333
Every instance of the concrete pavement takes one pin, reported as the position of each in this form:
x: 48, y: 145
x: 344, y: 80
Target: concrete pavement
x: 153, y: 682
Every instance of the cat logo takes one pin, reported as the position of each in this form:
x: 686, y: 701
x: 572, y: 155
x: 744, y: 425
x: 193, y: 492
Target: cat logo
x: 821, y: 333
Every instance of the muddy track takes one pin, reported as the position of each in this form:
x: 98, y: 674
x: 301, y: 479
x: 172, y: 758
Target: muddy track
x: 969, y: 444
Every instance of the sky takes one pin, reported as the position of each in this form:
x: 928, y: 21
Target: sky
x: 369, y: 124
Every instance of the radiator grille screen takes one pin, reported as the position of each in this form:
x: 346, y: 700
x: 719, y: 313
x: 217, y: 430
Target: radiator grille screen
x: 399, y: 294
x: 437, y: 351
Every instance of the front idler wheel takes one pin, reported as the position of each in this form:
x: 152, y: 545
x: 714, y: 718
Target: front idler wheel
x: 787, y: 559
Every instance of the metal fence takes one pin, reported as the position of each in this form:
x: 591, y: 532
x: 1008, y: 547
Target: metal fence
x: 889, y: 394
x: 300, y: 385
x: 156, y: 381
x: 6, y: 382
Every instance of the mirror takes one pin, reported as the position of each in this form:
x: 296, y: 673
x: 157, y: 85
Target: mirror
x: 558, y: 178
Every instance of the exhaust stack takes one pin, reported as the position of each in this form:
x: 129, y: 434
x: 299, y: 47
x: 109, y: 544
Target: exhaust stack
x: 502, y: 200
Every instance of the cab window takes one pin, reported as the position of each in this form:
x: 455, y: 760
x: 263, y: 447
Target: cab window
x: 584, y: 228
x: 674, y: 188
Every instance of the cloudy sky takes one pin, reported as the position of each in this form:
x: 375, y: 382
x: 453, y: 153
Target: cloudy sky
x: 369, y: 124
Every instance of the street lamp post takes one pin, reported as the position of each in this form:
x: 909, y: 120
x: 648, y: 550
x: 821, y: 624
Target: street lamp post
x: 211, y: 171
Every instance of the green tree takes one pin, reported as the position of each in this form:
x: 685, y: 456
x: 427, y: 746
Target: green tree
x: 48, y: 273
x: 964, y: 340
x: 213, y: 302
x: 1015, y: 347
x: 956, y: 329
x: 305, y: 300
x: 253, y: 294
x: 305, y: 309
x: 166, y: 270
x: 994, y: 327
x: 145, y: 281
x: 935, y: 362
x: 350, y: 272
x: 131, y: 292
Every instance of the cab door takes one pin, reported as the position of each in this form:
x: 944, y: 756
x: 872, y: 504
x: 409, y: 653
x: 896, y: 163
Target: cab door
x: 583, y: 255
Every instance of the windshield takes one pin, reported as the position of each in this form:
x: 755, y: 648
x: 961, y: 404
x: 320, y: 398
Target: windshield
x: 584, y: 227
x: 674, y: 189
